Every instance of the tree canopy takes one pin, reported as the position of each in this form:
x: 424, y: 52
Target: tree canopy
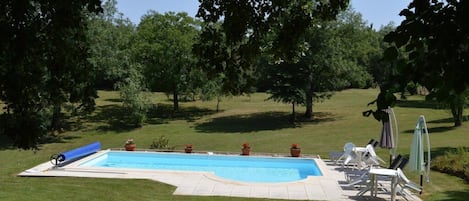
x: 435, y: 34
x: 250, y: 27
x: 164, y: 47
x: 43, y: 51
x: 337, y: 57
x: 111, y: 39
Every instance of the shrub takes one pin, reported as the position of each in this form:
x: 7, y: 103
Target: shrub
x: 454, y: 162
x: 161, y: 143
x: 134, y: 100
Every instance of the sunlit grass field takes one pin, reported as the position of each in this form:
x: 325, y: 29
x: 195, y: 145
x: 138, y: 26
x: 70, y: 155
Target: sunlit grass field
x: 263, y: 124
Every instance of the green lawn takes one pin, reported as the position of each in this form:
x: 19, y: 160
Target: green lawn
x: 264, y: 124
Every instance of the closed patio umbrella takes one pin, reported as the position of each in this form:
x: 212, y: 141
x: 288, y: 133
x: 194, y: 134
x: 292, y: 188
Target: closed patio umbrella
x: 416, y: 158
x: 387, y: 137
x: 386, y: 141
x: 416, y: 163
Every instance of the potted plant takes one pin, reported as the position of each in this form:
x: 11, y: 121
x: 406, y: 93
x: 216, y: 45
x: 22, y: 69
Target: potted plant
x: 245, y: 149
x: 188, y: 148
x: 295, y: 150
x: 130, y: 145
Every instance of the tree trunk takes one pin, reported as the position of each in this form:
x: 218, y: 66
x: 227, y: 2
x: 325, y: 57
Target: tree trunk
x: 309, y: 98
x: 218, y: 103
x: 457, y: 111
x: 56, y: 123
x: 293, y: 118
x: 175, y: 101
x: 309, y: 105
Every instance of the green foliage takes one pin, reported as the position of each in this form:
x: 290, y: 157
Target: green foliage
x: 111, y: 55
x: 111, y: 38
x: 161, y: 143
x: 453, y: 162
x: 203, y: 87
x: 384, y: 71
x: 234, y: 35
x: 355, y: 44
x: 43, y: 51
x: 434, y: 35
x: 290, y: 20
x: 412, y: 88
x: 220, y: 61
x: 26, y: 129
x: 135, y: 102
x: 336, y: 58
x: 164, y: 48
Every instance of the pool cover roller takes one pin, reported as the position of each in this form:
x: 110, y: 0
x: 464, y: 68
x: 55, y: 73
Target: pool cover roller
x: 75, y: 153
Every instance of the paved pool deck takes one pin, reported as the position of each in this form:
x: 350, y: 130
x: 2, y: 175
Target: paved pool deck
x: 330, y: 186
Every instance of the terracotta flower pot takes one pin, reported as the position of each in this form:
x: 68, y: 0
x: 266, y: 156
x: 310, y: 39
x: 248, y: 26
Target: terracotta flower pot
x: 246, y: 151
x: 295, y: 152
x: 188, y: 148
x: 130, y: 147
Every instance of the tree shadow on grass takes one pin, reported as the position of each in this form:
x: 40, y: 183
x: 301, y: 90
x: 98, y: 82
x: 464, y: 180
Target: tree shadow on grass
x: 318, y: 117
x: 116, y: 118
x: 114, y: 100
x: 111, y: 118
x: 426, y: 104
x: 449, y: 120
x: 441, y: 129
x: 57, y: 139
x: 254, y: 122
x: 7, y: 144
x: 166, y: 112
x: 434, y: 130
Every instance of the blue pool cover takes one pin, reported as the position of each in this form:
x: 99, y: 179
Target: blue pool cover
x: 78, y: 152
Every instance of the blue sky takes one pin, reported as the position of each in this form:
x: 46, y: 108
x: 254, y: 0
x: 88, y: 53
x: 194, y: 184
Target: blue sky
x: 378, y: 12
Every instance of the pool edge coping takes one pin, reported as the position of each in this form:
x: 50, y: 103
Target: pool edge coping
x: 75, y: 167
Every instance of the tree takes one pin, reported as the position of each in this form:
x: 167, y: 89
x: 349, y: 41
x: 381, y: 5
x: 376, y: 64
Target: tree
x: 135, y: 101
x: 250, y: 27
x: 336, y: 58
x: 112, y: 56
x: 219, y: 61
x: 164, y: 47
x: 379, y: 68
x: 435, y: 34
x: 42, y: 64
x: 357, y: 44
x: 111, y: 39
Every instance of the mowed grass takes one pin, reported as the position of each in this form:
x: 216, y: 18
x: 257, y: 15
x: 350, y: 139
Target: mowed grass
x: 264, y: 124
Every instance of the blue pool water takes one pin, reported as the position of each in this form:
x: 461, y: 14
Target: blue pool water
x: 239, y: 168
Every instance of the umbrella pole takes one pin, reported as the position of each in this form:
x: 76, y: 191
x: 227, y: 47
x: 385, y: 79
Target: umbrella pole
x: 421, y: 183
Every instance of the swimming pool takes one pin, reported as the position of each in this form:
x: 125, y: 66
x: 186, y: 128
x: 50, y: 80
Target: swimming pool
x: 238, y: 168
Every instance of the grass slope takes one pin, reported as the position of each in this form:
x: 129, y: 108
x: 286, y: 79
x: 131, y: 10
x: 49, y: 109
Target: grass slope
x: 264, y: 124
